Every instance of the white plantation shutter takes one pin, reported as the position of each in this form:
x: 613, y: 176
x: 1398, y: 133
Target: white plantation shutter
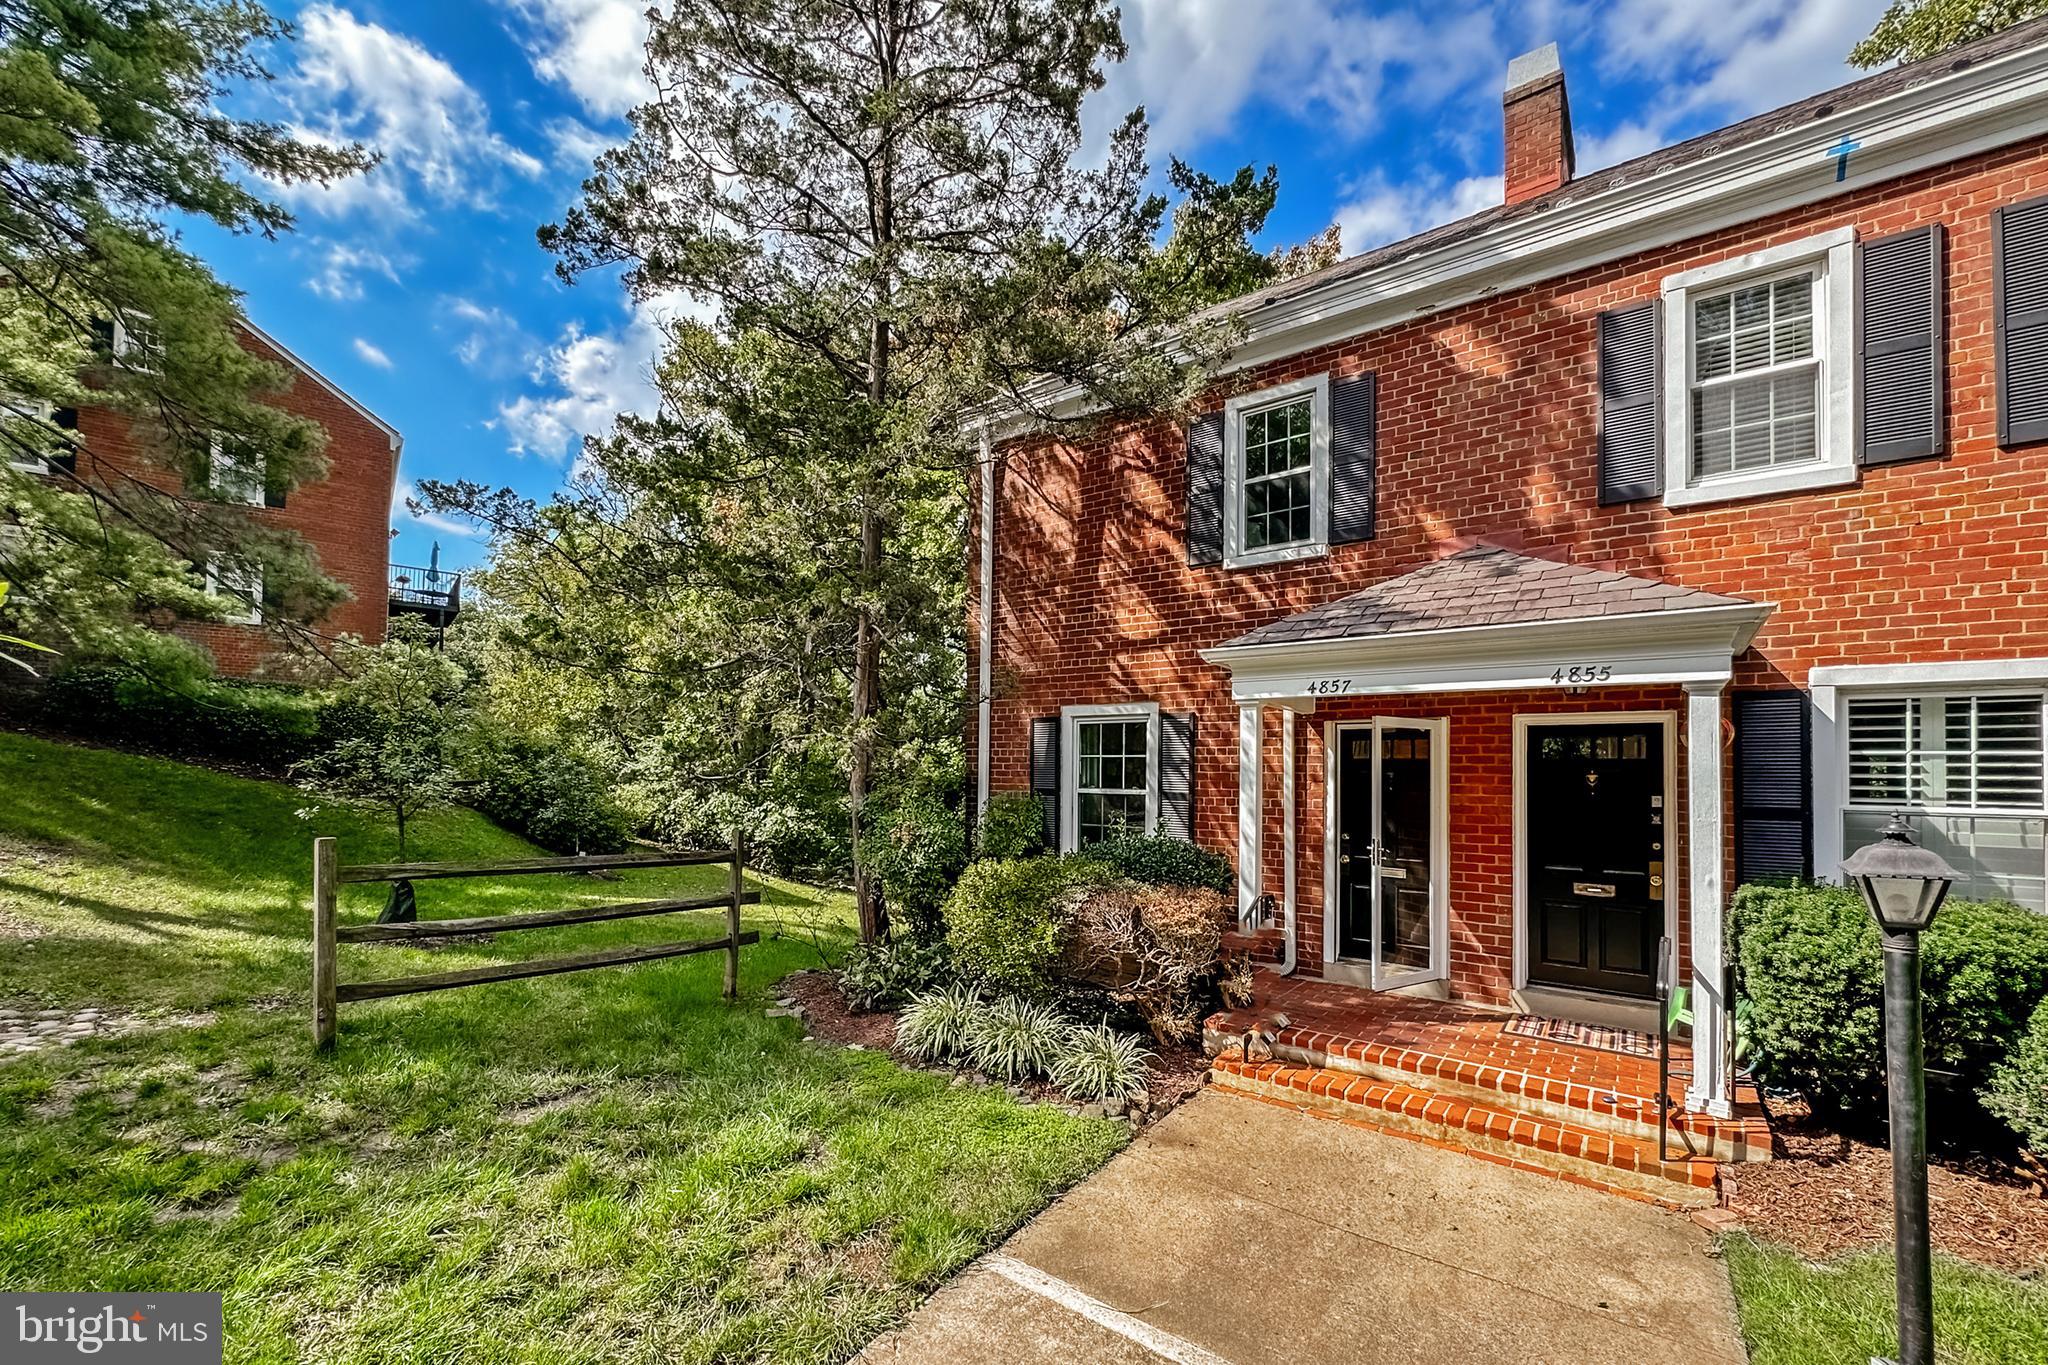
x: 1968, y: 753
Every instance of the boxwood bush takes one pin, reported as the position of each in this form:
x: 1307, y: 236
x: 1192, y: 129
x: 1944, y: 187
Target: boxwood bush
x: 2018, y: 1091
x: 1157, y: 860
x: 1810, y: 990
x: 1008, y: 920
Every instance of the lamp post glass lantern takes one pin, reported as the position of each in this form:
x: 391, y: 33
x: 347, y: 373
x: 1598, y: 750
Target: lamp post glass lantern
x: 1904, y: 885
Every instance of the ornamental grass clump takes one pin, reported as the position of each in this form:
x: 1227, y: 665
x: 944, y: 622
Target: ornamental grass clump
x: 935, y: 1025
x: 1098, y: 1063
x: 1013, y: 1038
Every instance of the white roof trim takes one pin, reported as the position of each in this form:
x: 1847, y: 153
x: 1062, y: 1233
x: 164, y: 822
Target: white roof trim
x: 324, y: 382
x: 1689, y: 645
x: 1990, y: 103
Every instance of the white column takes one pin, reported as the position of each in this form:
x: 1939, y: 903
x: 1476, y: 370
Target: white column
x: 1250, y: 716
x: 1706, y: 847
x: 1290, y: 721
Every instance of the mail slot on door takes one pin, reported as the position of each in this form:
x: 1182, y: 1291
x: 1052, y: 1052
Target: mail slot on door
x: 1604, y: 889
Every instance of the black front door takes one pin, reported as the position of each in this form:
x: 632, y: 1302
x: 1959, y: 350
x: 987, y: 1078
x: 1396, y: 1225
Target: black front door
x: 1596, y: 842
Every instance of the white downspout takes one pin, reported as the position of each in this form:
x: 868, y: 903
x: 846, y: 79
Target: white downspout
x: 1289, y: 723
x: 984, y: 692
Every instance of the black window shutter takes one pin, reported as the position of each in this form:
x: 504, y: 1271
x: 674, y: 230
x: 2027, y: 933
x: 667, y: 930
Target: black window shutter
x: 1899, y: 330
x: 66, y: 455
x: 1205, y: 490
x: 1045, y: 774
x: 1177, y: 775
x: 1632, y: 403
x: 273, y: 490
x: 2019, y: 319
x: 1354, y: 458
x: 1773, y: 786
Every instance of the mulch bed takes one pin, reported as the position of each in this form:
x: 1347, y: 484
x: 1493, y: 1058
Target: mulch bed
x: 1176, y: 1072
x: 1825, y: 1193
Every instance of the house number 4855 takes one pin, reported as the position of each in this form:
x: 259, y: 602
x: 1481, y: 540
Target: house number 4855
x: 1583, y: 673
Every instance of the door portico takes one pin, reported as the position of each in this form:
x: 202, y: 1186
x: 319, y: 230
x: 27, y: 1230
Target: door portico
x: 1556, y: 645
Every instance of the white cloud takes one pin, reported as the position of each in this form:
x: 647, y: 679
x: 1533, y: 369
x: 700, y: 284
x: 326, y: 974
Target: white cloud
x: 373, y: 354
x: 342, y: 267
x: 576, y: 144
x: 488, y: 340
x: 595, y: 48
x: 1379, y: 212
x: 431, y: 521
x: 590, y: 378
x: 358, y: 81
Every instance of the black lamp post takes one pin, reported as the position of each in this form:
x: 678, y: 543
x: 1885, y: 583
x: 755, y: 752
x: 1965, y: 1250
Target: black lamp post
x: 1904, y: 884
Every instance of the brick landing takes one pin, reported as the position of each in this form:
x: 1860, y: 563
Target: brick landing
x: 1450, y: 1074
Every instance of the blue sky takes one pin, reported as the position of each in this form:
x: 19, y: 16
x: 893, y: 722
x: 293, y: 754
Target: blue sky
x: 420, y: 288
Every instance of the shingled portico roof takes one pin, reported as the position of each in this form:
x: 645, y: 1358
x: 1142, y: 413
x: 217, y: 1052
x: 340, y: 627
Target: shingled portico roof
x: 1481, y: 586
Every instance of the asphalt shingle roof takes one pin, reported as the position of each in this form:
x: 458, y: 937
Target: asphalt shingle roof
x: 1481, y: 586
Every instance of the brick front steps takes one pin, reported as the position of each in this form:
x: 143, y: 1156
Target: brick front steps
x: 1449, y: 1073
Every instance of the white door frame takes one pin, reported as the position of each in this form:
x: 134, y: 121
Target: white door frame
x: 1672, y: 883
x: 1438, y: 728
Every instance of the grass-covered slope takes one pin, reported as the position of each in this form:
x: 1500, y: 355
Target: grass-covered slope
x: 607, y: 1166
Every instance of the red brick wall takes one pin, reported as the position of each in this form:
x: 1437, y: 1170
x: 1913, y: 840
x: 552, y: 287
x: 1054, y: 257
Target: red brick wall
x: 1487, y: 420
x: 345, y: 518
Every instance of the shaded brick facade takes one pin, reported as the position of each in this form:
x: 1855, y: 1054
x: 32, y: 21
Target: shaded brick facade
x: 1487, y: 430
x: 345, y: 518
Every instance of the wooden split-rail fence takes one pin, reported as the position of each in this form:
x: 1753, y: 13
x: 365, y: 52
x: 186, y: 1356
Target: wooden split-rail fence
x: 330, y: 993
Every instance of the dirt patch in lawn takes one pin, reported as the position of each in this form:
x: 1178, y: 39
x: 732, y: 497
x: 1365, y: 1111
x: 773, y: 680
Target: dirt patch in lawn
x: 1175, y: 1073
x: 1825, y: 1193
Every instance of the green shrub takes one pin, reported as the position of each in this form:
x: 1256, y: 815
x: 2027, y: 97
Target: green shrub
x: 1098, y: 1063
x: 880, y: 976
x: 935, y: 1025
x: 917, y: 850
x: 2018, y: 1090
x: 1008, y: 920
x: 263, y: 726
x: 1014, y: 1039
x: 1811, y: 989
x: 1157, y: 860
x: 551, y: 794
x: 1012, y: 826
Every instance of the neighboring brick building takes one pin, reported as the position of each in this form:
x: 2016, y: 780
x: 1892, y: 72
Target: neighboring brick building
x: 345, y: 517
x: 1741, y: 443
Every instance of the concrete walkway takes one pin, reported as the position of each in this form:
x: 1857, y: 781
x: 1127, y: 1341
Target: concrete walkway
x: 1240, y: 1232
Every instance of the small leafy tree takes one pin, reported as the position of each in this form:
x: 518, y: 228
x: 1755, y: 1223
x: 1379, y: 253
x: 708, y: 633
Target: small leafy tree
x: 410, y: 720
x: 1912, y: 29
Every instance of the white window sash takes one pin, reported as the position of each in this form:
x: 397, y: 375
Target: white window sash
x: 1236, y: 484
x: 233, y: 476
x: 1912, y: 756
x: 1072, y: 718
x: 243, y: 583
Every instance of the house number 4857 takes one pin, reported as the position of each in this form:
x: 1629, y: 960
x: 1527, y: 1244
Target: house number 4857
x: 1583, y: 673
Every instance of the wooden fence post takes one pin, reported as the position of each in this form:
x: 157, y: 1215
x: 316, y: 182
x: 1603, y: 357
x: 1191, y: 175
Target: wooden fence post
x: 734, y: 889
x: 323, y: 942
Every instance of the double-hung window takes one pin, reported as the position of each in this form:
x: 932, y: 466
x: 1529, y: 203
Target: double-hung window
x: 235, y: 471
x: 27, y: 422
x: 1970, y: 767
x: 239, y: 579
x: 1277, y: 471
x: 1111, y: 773
x: 1760, y: 373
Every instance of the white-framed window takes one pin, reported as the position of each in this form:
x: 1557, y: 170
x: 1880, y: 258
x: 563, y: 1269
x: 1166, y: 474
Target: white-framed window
x: 1109, y: 772
x: 229, y: 576
x: 136, y: 344
x: 235, y: 471
x: 35, y: 417
x: 1760, y: 373
x: 1276, y: 471
x: 1970, y: 767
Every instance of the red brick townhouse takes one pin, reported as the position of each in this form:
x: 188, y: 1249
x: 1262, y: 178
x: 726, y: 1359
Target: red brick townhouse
x: 1520, y: 587
x: 344, y: 517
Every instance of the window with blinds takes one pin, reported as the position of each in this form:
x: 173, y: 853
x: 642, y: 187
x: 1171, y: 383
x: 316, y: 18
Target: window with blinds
x: 1971, y: 753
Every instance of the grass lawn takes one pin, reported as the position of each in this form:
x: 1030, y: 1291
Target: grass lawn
x: 1797, y: 1313
x: 607, y: 1166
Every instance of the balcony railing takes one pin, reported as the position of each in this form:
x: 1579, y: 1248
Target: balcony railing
x: 435, y: 593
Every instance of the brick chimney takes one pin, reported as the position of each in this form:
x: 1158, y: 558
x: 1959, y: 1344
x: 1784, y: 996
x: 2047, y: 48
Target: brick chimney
x: 1538, y: 125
